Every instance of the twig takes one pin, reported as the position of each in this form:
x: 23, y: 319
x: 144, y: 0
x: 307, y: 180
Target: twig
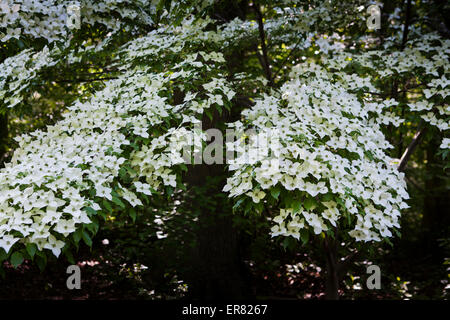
x: 286, y: 58
x: 415, y: 184
x: 84, y: 80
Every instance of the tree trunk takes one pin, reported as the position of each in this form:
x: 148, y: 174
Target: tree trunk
x: 332, y: 280
x: 332, y: 283
x: 217, y: 269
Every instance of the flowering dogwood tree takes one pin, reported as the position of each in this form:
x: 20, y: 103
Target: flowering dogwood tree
x: 157, y: 74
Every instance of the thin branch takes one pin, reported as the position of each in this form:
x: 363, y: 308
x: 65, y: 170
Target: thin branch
x: 286, y: 58
x: 84, y: 80
x: 95, y: 73
x: 415, y: 184
x: 412, y: 146
x: 261, y: 61
x: 376, y: 93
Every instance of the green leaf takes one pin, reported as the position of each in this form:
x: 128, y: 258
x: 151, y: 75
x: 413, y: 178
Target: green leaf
x: 93, y: 227
x: 369, y: 155
x: 86, y: 238
x: 123, y: 173
x: 102, y: 214
x: 167, y: 4
x: 41, y: 261
x: 90, y: 211
x: 130, y: 171
x: 209, y: 114
x: 296, y: 205
x: 181, y: 186
x: 288, y: 242
x: 248, y: 206
x: 118, y: 202
x: 238, y: 203
x: 107, y: 206
x: 388, y: 241
x: 16, y: 259
x: 3, y: 255
x: 339, y: 200
x: 259, y: 207
x: 349, y: 219
x: 31, y: 249
x: 304, y: 236
x: 132, y: 213
x: 69, y: 256
x: 227, y: 105
x: 327, y: 197
x: 275, y: 192
x: 309, y: 203
x: 77, y: 236
x: 219, y: 109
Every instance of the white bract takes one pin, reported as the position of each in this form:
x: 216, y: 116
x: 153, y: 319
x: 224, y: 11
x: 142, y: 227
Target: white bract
x: 59, y: 178
x: 51, y: 19
x: 331, y: 151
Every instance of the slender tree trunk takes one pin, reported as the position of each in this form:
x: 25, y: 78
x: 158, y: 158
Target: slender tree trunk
x: 217, y: 271
x: 332, y: 280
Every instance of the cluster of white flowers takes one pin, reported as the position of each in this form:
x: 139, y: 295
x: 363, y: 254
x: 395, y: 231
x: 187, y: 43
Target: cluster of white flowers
x: 285, y: 27
x: 38, y: 19
x: 129, y: 11
x: 425, y: 59
x: 59, y: 178
x: 20, y: 70
x: 48, y: 19
x: 41, y: 189
x: 330, y: 153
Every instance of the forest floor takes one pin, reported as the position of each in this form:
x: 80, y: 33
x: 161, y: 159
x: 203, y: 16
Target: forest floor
x: 102, y: 279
